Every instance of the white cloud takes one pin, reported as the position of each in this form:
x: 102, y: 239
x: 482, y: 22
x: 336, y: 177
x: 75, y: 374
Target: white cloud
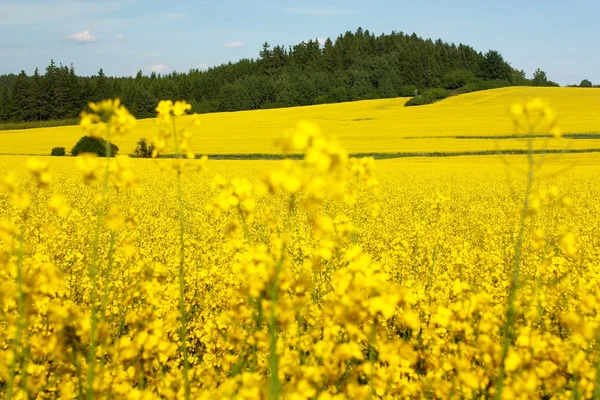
x: 235, y: 43
x: 82, y: 37
x: 203, y: 67
x: 318, y: 11
x: 120, y: 37
x: 160, y: 68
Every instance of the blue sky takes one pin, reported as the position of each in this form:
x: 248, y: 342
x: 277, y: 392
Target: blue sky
x: 124, y: 36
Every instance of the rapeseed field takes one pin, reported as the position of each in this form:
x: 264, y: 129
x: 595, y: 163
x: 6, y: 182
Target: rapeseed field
x: 329, y: 277
x: 361, y: 127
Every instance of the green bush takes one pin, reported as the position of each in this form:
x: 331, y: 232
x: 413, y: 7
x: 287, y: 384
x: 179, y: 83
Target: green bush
x: 476, y: 83
x: 408, y: 91
x: 419, y: 100
x: 268, y: 106
x: 58, y: 152
x: 372, y: 95
x: 90, y: 144
x: 494, y: 84
x: 144, y: 148
x: 460, y: 90
x: 339, y: 94
x: 456, y: 79
x: 427, y: 97
x: 438, y: 93
x: 471, y: 87
x: 321, y: 100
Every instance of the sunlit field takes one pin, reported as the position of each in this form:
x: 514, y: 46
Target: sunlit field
x: 326, y: 277
x: 361, y: 127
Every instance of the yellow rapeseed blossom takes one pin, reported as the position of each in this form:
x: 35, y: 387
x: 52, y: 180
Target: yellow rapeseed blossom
x: 322, y: 276
x: 108, y: 119
x: 88, y: 165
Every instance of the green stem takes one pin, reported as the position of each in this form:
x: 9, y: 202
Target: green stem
x: 596, y: 394
x: 20, y: 322
x: 372, y: 338
x: 94, y: 268
x: 274, y: 384
x: 107, y: 285
x: 511, y: 312
x: 183, y: 332
x: 244, y: 224
x: 107, y: 274
x: 78, y: 371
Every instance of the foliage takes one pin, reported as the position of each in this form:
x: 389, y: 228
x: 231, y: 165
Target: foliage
x: 493, y: 66
x: 408, y: 91
x: 95, y: 145
x: 144, y: 148
x: 58, y: 152
x: 585, y: 83
x: 540, y: 79
x: 457, y: 79
x: 354, y: 66
x: 427, y: 97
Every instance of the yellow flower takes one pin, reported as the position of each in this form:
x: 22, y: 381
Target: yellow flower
x: 180, y: 108
x: 164, y: 108
x: 21, y: 200
x: 58, y: 204
x: 10, y: 182
x: 87, y: 164
x: 114, y: 219
x: 40, y: 171
x: 8, y: 230
x: 568, y: 243
x: 513, y: 361
x: 108, y: 118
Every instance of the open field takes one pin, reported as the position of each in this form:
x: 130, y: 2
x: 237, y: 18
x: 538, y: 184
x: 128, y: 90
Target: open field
x: 402, y: 291
x: 323, y: 277
x: 361, y: 127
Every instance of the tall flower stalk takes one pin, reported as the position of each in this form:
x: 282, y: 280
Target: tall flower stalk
x: 167, y: 114
x: 107, y: 119
x: 528, y: 117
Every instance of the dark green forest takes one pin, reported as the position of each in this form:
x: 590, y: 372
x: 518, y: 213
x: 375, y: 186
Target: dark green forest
x: 354, y: 66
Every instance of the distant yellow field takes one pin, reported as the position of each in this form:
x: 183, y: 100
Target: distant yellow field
x: 364, y: 126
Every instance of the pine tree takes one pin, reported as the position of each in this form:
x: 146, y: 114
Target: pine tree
x: 37, y: 111
x: 4, y: 104
x: 493, y: 66
x: 20, y: 107
x: 356, y: 65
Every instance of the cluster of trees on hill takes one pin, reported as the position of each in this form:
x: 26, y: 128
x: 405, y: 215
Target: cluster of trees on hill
x: 355, y: 66
x: 586, y: 83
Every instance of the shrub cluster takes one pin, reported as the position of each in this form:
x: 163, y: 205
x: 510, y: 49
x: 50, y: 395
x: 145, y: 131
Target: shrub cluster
x: 408, y: 91
x: 427, y: 97
x: 144, y: 148
x: 58, y: 152
x: 457, y: 82
x: 90, y: 144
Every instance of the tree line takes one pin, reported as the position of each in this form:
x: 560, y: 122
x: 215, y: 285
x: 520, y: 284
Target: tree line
x: 355, y: 66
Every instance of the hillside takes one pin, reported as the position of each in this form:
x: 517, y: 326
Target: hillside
x: 354, y: 66
x: 383, y: 125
